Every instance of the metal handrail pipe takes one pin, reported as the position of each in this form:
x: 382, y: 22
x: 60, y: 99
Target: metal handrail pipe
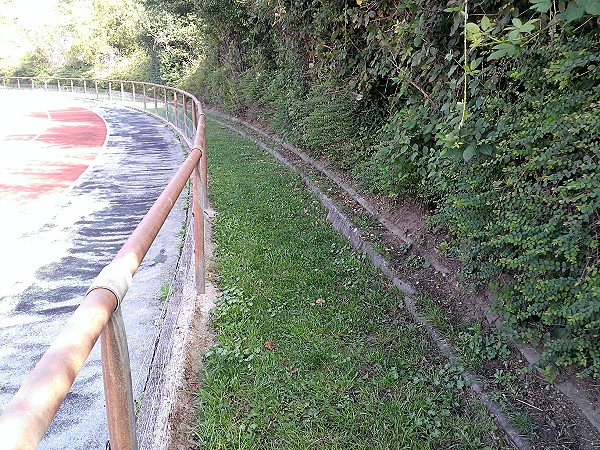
x: 30, y: 412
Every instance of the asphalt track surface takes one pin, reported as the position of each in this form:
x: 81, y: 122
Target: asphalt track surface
x: 75, y: 179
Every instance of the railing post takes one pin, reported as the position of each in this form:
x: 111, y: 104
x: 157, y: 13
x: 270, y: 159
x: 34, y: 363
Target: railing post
x: 166, y: 103
x: 110, y: 91
x: 175, y: 121
x: 194, y: 117
x: 185, y: 121
x: 18, y: 83
x: 58, y: 84
x: 118, y: 391
x: 46, y: 84
x: 144, y: 95
x: 203, y: 162
x: 122, y: 93
x: 84, y: 87
x: 155, y: 100
x: 198, y: 218
x: 72, y: 90
x: 32, y: 85
x: 133, y: 91
x: 96, y: 86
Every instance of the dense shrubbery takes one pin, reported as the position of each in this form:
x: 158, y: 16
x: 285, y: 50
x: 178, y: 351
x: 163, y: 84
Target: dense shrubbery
x: 379, y: 87
x: 531, y: 208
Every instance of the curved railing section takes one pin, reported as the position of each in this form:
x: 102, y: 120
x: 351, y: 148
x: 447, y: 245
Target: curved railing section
x: 29, y: 413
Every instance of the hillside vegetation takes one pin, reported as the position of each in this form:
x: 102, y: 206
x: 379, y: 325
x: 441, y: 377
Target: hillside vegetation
x: 486, y: 112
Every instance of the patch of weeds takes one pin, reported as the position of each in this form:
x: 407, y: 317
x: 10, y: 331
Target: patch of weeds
x: 477, y: 347
x: 186, y: 206
x: 365, y: 222
x: 504, y: 380
x: 404, y: 248
x: 504, y: 391
x: 521, y: 420
x: 138, y: 403
x: 443, y: 248
x: 182, y: 234
x: 439, y: 317
x: 415, y: 262
x: 165, y: 291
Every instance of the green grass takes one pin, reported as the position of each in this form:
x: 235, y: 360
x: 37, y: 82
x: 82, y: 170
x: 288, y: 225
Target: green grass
x: 314, y: 347
x: 164, y: 292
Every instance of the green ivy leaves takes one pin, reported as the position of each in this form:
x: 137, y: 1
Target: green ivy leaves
x: 578, y: 8
x: 574, y: 10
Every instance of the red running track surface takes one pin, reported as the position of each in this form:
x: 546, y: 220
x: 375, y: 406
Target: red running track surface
x: 48, y: 152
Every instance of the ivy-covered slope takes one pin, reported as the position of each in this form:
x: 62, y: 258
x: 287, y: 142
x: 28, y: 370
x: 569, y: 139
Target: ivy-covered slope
x: 487, y: 111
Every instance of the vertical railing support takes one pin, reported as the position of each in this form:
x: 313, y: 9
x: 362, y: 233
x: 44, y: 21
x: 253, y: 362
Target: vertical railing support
x: 122, y: 93
x: 198, y: 220
x: 32, y: 85
x: 133, y: 91
x: 175, y: 112
x: 203, y: 162
x: 84, y: 87
x: 72, y: 89
x: 18, y: 83
x: 97, y: 93
x: 155, y: 100
x: 58, y: 85
x: 110, y: 91
x: 194, y: 117
x: 199, y: 203
x: 118, y: 391
x: 165, y: 101
x: 185, y: 118
x: 144, y: 95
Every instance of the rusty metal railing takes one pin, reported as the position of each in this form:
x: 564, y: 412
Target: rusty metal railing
x: 177, y: 107
x: 29, y: 413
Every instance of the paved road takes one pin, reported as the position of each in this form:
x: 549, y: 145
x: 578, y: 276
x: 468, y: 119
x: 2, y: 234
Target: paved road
x: 62, y: 221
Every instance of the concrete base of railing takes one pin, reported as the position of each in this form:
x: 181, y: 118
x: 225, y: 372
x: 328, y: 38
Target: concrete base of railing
x: 169, y: 402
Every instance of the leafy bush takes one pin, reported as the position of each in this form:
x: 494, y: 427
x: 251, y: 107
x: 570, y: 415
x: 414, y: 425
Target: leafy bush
x: 398, y: 166
x: 492, y: 123
x: 531, y: 209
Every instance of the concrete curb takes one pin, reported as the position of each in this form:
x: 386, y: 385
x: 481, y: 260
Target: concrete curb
x: 168, y: 402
